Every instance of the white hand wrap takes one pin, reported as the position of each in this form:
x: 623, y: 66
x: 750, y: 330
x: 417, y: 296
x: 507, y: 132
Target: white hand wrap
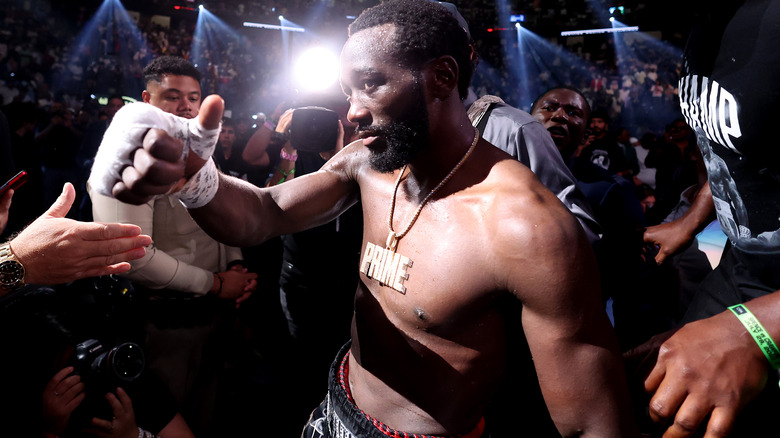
x: 201, y: 187
x: 125, y: 135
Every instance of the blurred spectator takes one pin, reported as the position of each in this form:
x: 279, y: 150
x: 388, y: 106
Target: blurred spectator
x: 59, y: 143
x: 227, y: 155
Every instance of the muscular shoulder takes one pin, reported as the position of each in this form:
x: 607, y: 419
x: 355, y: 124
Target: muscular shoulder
x: 350, y: 162
x: 532, y: 235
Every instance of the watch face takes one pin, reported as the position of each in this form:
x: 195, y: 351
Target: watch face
x: 11, y: 273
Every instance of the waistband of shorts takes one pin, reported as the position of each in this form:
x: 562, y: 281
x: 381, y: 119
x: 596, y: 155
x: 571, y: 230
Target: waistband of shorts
x: 354, y: 417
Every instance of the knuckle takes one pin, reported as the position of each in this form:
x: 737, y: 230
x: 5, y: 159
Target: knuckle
x: 718, y: 430
x: 686, y: 423
x: 660, y: 409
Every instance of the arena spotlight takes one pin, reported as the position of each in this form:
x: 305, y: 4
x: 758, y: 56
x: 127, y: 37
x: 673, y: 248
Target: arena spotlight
x: 316, y: 69
x: 273, y: 26
x: 111, y: 36
x: 597, y: 31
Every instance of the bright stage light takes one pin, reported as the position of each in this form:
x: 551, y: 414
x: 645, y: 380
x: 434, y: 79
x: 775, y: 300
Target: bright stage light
x: 316, y: 69
x: 273, y: 27
x: 605, y: 30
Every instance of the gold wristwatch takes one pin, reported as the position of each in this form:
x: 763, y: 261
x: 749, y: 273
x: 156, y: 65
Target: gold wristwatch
x: 11, y: 270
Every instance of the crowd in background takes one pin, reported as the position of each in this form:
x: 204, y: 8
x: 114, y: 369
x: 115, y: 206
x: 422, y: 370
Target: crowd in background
x: 47, y: 55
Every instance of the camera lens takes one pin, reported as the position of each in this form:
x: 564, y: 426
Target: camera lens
x: 126, y: 361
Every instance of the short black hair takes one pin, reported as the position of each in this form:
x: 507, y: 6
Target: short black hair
x: 562, y: 87
x: 227, y: 121
x: 425, y: 30
x: 600, y: 113
x: 170, y: 65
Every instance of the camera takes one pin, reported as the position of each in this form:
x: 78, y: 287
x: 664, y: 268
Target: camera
x: 108, y: 367
x: 314, y: 129
x: 102, y: 370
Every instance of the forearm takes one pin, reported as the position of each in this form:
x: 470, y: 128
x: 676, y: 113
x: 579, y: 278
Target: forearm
x: 699, y: 213
x: 588, y: 396
x: 161, y: 271
x: 255, y: 152
x: 156, y: 269
x: 285, y: 171
x: 241, y: 214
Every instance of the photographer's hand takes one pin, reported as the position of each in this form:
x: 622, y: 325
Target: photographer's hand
x: 61, y: 396
x: 285, y: 121
x: 123, y: 424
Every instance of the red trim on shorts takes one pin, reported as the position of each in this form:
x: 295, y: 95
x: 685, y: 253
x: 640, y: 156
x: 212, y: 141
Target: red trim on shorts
x: 343, y: 379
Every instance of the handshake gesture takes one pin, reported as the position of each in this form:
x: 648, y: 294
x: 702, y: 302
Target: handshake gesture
x: 147, y: 152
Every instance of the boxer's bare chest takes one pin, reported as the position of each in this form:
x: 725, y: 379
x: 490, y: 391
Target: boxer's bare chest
x: 429, y: 274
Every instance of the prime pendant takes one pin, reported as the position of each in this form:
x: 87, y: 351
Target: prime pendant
x: 385, y: 265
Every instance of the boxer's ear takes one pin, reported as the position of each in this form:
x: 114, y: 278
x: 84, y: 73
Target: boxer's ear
x: 442, y: 76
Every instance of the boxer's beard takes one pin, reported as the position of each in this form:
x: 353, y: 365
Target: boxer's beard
x: 404, y: 137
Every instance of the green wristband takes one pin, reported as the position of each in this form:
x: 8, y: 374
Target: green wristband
x: 762, y: 338
x: 285, y: 174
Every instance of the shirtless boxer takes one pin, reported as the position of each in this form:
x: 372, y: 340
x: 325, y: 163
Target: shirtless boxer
x: 454, y: 228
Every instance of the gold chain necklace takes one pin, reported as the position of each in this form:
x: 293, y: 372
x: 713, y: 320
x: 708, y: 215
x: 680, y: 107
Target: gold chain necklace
x: 384, y: 264
x: 393, y: 237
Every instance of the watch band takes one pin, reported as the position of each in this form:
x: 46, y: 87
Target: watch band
x: 5, y: 251
x: 11, y: 269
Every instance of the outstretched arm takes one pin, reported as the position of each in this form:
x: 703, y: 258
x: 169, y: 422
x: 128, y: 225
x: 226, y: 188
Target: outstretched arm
x: 236, y: 213
x: 256, y: 214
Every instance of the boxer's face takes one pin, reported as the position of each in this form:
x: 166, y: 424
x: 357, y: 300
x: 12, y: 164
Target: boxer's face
x: 387, y: 100
x: 174, y: 94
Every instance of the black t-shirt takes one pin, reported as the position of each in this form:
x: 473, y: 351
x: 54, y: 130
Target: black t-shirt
x: 730, y: 96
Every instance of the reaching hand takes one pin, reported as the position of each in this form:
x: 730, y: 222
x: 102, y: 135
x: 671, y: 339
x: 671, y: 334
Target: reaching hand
x: 285, y: 121
x: 123, y: 424
x: 61, y: 396
x: 56, y: 250
x: 669, y: 237
x: 709, y: 368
